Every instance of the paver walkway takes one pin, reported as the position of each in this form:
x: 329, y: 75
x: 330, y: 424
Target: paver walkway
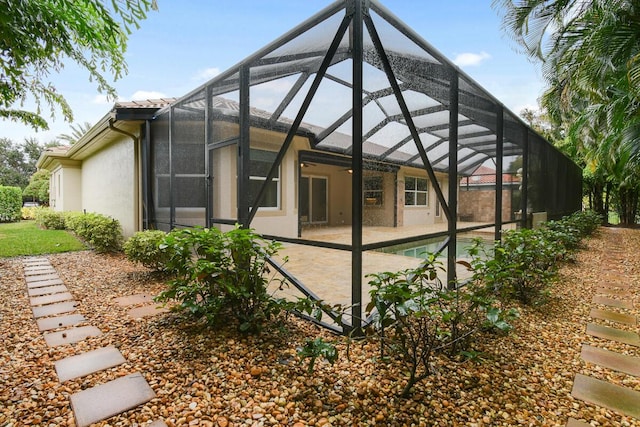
x: 613, y: 304
x: 56, y: 315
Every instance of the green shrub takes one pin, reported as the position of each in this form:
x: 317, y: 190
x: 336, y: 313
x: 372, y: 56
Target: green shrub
x: 10, y: 204
x: 101, y: 232
x: 50, y: 219
x: 221, y: 276
x: 415, y: 317
x: 144, y: 247
x: 29, y: 213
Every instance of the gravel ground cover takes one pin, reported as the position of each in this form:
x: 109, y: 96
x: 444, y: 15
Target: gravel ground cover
x: 217, y: 378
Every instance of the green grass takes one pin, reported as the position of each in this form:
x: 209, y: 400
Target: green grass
x: 26, y: 238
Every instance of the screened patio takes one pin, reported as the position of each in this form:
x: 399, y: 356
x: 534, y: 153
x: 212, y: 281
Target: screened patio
x: 355, y: 143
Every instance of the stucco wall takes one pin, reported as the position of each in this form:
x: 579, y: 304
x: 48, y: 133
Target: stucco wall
x: 65, y: 189
x: 109, y: 184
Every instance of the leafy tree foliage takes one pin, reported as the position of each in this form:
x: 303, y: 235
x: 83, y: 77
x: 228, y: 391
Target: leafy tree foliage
x: 38, y: 187
x: 18, y: 161
x: 37, y: 37
x: 590, y: 52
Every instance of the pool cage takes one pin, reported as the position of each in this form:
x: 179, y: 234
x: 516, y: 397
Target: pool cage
x: 352, y: 141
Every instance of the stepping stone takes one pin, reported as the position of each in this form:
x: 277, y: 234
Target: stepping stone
x: 40, y: 278
x: 88, y: 363
x: 50, y: 299
x: 53, y: 309
x: 146, y: 310
x: 611, y: 302
x: 613, y: 334
x: 623, y: 286
x: 134, y: 299
x: 36, y: 259
x: 575, y: 423
x: 109, y: 399
x: 620, y: 399
x: 615, y: 292
x: 39, y: 270
x: 612, y: 360
x: 44, y: 283
x: 45, y: 290
x: 71, y: 335
x: 49, y: 323
x: 157, y: 423
x: 613, y: 316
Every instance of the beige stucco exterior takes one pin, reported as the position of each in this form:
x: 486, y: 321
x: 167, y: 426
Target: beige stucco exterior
x: 65, y: 186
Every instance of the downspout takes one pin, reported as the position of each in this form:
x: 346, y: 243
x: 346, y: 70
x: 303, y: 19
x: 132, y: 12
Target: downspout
x: 136, y: 150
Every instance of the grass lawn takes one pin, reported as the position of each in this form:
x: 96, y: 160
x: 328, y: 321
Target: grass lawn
x: 26, y: 238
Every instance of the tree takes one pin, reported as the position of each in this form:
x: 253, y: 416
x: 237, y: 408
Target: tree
x: 77, y: 132
x: 37, y: 37
x: 38, y: 187
x: 590, y: 54
x: 18, y: 162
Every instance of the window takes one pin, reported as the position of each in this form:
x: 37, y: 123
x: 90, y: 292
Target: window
x: 373, y: 191
x: 260, y: 164
x: 416, y: 191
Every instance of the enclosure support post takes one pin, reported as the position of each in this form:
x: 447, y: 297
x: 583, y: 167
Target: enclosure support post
x: 145, y: 153
x: 172, y: 199
x: 499, y: 170
x: 524, y: 179
x: 356, y: 166
x: 244, y: 147
x: 453, y: 180
x: 208, y: 139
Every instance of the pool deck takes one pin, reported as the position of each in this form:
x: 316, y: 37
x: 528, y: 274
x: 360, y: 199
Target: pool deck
x: 327, y: 272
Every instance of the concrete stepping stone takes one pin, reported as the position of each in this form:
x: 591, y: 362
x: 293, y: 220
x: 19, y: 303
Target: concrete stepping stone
x: 134, y: 299
x: 620, y: 399
x: 575, y: 423
x: 46, y: 290
x: 613, y: 334
x: 53, y: 309
x: 613, y: 316
x: 611, y: 302
x: 88, y: 363
x: 50, y: 299
x: 612, y: 360
x: 157, y: 423
x: 41, y: 277
x: 109, y: 399
x: 39, y: 270
x: 618, y: 292
x: 146, y: 310
x: 71, y: 335
x: 43, y: 283
x: 36, y: 259
x: 49, y: 323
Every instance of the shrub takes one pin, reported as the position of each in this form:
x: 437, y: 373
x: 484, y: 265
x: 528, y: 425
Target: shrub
x: 29, y: 213
x: 415, y: 318
x: 221, y: 276
x: 10, y: 204
x: 50, y: 219
x: 103, y: 233
x: 144, y: 247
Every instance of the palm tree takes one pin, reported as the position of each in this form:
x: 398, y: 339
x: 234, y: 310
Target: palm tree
x: 590, y: 54
x: 77, y: 131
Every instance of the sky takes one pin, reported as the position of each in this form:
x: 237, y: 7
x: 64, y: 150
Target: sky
x: 186, y: 43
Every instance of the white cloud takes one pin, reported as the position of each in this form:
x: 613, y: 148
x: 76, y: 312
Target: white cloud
x: 146, y: 94
x: 206, y: 74
x: 470, y: 59
x: 102, y: 99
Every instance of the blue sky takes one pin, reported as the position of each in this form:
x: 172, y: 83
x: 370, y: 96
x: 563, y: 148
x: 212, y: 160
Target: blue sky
x: 187, y: 42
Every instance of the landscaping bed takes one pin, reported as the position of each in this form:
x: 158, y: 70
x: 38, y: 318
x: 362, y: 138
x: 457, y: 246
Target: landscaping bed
x: 217, y: 378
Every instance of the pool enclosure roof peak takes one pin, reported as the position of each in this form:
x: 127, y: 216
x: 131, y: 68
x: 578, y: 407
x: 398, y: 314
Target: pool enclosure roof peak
x: 305, y: 80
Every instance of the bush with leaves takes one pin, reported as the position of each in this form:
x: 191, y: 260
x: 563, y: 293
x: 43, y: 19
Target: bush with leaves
x: 102, y: 232
x: 144, y: 247
x: 221, y: 275
x: 414, y: 317
x: 10, y: 204
x: 50, y: 219
x: 315, y: 348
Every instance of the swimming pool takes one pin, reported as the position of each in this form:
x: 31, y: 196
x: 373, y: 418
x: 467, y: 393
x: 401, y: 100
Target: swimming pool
x: 420, y: 248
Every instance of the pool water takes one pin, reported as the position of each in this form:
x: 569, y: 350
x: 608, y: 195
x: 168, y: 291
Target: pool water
x: 420, y: 248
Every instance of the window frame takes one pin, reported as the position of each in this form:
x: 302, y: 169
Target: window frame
x: 276, y: 180
x: 415, y: 191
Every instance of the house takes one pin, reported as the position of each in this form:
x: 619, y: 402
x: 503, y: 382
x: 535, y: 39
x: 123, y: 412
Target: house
x: 340, y: 139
